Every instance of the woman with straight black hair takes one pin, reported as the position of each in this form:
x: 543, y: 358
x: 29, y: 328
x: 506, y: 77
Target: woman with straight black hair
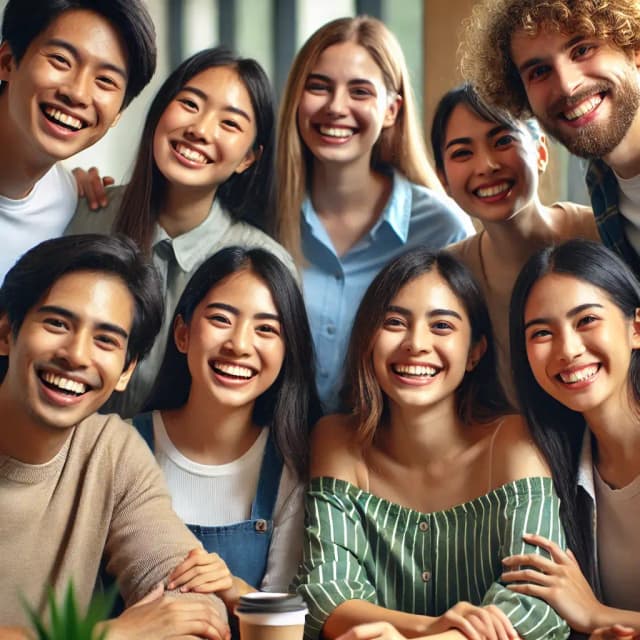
x: 230, y: 419
x: 575, y: 335
x: 202, y: 180
x: 419, y: 493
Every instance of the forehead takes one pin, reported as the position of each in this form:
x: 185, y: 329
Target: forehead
x: 347, y: 60
x: 555, y: 294
x: 89, y: 33
x: 464, y: 122
x: 244, y: 290
x: 427, y: 292
x: 92, y: 296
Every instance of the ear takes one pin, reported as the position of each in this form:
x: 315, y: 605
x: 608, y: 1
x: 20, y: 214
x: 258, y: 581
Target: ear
x: 635, y: 331
x: 181, y: 334
x: 442, y: 176
x: 7, y: 61
x: 251, y: 157
x: 393, y: 109
x: 125, y: 376
x: 475, y: 353
x: 5, y: 335
x: 543, y: 154
x: 636, y: 58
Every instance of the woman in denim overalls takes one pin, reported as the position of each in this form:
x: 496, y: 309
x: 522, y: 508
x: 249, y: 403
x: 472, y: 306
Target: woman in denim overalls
x: 229, y: 427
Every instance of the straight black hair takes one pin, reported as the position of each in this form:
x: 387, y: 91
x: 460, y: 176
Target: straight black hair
x: 479, y: 396
x: 290, y: 406
x: 557, y: 430
x: 25, y: 20
x: 247, y: 195
x: 41, y: 267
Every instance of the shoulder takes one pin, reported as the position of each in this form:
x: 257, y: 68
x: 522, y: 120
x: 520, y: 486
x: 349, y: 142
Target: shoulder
x: 514, y: 454
x: 101, y: 221
x: 334, y: 449
x: 577, y: 221
x: 465, y: 250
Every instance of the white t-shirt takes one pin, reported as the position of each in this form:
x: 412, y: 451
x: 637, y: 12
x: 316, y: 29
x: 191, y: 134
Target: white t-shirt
x: 216, y: 495
x: 629, y: 203
x: 44, y: 213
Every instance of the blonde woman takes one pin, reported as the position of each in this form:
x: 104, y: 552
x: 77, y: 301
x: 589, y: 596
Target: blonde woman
x: 355, y: 187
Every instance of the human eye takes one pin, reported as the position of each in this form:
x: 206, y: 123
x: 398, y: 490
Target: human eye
x: 232, y: 124
x: 59, y: 60
x: 582, y: 50
x: 188, y: 103
x: 107, y: 82
x: 461, y: 154
x: 218, y: 318
x: 442, y: 327
x: 538, y: 335
x: 317, y: 86
x: 268, y: 329
x: 361, y: 92
x: 538, y: 72
x: 55, y: 325
x: 587, y: 319
x: 108, y: 341
x: 393, y: 321
x: 506, y: 140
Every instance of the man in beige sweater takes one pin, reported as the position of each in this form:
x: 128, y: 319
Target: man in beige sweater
x: 78, y: 488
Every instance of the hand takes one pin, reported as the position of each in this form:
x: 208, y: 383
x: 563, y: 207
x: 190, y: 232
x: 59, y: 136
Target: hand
x: 162, y: 617
x: 372, y: 631
x: 476, y: 623
x: 201, y: 572
x: 558, y: 581
x: 92, y: 187
x: 616, y: 632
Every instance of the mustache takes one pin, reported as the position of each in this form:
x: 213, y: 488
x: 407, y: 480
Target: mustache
x: 568, y: 102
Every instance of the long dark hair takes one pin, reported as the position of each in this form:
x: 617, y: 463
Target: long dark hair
x: 247, y: 195
x: 557, y: 430
x: 290, y: 406
x: 478, y: 398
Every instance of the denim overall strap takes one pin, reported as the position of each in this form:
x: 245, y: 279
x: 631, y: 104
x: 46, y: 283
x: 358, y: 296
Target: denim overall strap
x: 143, y: 422
x: 244, y: 546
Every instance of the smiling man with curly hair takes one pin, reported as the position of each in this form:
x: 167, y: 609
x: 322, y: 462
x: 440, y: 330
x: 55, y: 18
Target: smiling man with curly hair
x: 574, y: 64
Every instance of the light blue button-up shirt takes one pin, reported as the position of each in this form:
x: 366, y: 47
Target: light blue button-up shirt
x: 334, y: 285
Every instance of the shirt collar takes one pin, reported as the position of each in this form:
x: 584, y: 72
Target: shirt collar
x: 585, y: 466
x: 189, y: 248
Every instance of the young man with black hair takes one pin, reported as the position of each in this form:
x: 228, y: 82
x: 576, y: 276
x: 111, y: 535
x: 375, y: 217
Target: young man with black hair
x: 68, y: 68
x: 78, y: 488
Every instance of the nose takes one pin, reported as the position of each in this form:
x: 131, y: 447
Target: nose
x: 488, y: 162
x: 417, y: 340
x: 77, y: 89
x: 203, y: 128
x: 338, y: 101
x: 568, y: 77
x: 569, y: 346
x: 239, y: 341
x: 75, y: 352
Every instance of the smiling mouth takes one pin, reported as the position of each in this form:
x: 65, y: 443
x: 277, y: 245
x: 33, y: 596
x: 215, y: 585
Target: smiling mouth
x: 336, y: 132
x: 234, y: 371
x: 494, y: 190
x: 584, y: 108
x: 579, y: 375
x: 190, y: 153
x: 415, y: 370
x: 62, y: 119
x: 61, y: 384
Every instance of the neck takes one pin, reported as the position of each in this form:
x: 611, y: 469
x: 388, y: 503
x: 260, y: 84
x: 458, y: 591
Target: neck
x: 520, y: 236
x: 22, y: 439
x: 417, y: 437
x: 184, y: 208
x: 219, y: 440
x: 625, y: 158
x: 20, y: 167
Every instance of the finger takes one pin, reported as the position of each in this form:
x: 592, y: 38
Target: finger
x: 465, y: 627
x: 97, y: 195
x: 210, y: 587
x: 528, y: 575
x: 533, y: 560
x: 482, y: 624
x: 527, y: 589
x: 107, y: 181
x: 504, y: 626
x: 199, y: 575
x: 78, y: 175
x: 554, y: 550
x: 195, y: 557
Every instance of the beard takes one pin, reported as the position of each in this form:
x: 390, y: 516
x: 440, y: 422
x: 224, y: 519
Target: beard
x: 596, y: 139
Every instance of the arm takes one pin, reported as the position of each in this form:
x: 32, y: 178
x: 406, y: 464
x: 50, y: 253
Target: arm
x: 92, y: 187
x: 15, y: 633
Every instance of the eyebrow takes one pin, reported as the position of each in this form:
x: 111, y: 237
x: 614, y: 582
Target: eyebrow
x: 64, y: 44
x: 320, y: 76
x: 534, y: 61
x: 570, y: 314
x: 434, y: 312
x: 203, y: 96
x: 100, y: 326
x: 263, y: 315
x: 490, y: 134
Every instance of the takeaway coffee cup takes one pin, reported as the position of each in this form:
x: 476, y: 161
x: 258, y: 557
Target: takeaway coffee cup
x: 271, y: 616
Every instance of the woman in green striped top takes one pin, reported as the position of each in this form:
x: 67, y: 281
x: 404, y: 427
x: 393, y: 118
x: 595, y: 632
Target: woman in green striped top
x: 418, y: 494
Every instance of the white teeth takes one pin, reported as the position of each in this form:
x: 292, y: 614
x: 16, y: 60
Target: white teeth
x: 415, y: 370
x: 191, y: 154
x: 580, y: 375
x: 64, y: 383
x: 336, y: 132
x: 488, y: 192
x: 233, y: 370
x: 64, y: 118
x: 583, y: 108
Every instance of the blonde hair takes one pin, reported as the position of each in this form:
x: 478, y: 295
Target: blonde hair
x: 401, y: 146
x: 486, y: 44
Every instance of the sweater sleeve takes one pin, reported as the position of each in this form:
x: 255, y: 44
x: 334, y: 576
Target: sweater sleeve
x: 334, y: 551
x: 146, y: 538
x: 532, y: 508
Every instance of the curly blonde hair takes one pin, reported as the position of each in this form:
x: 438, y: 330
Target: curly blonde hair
x: 485, y: 48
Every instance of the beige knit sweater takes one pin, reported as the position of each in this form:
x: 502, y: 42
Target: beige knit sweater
x: 103, y: 492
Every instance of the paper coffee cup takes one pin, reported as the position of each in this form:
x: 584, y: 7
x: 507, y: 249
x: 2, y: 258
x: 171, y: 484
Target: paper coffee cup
x: 271, y: 616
